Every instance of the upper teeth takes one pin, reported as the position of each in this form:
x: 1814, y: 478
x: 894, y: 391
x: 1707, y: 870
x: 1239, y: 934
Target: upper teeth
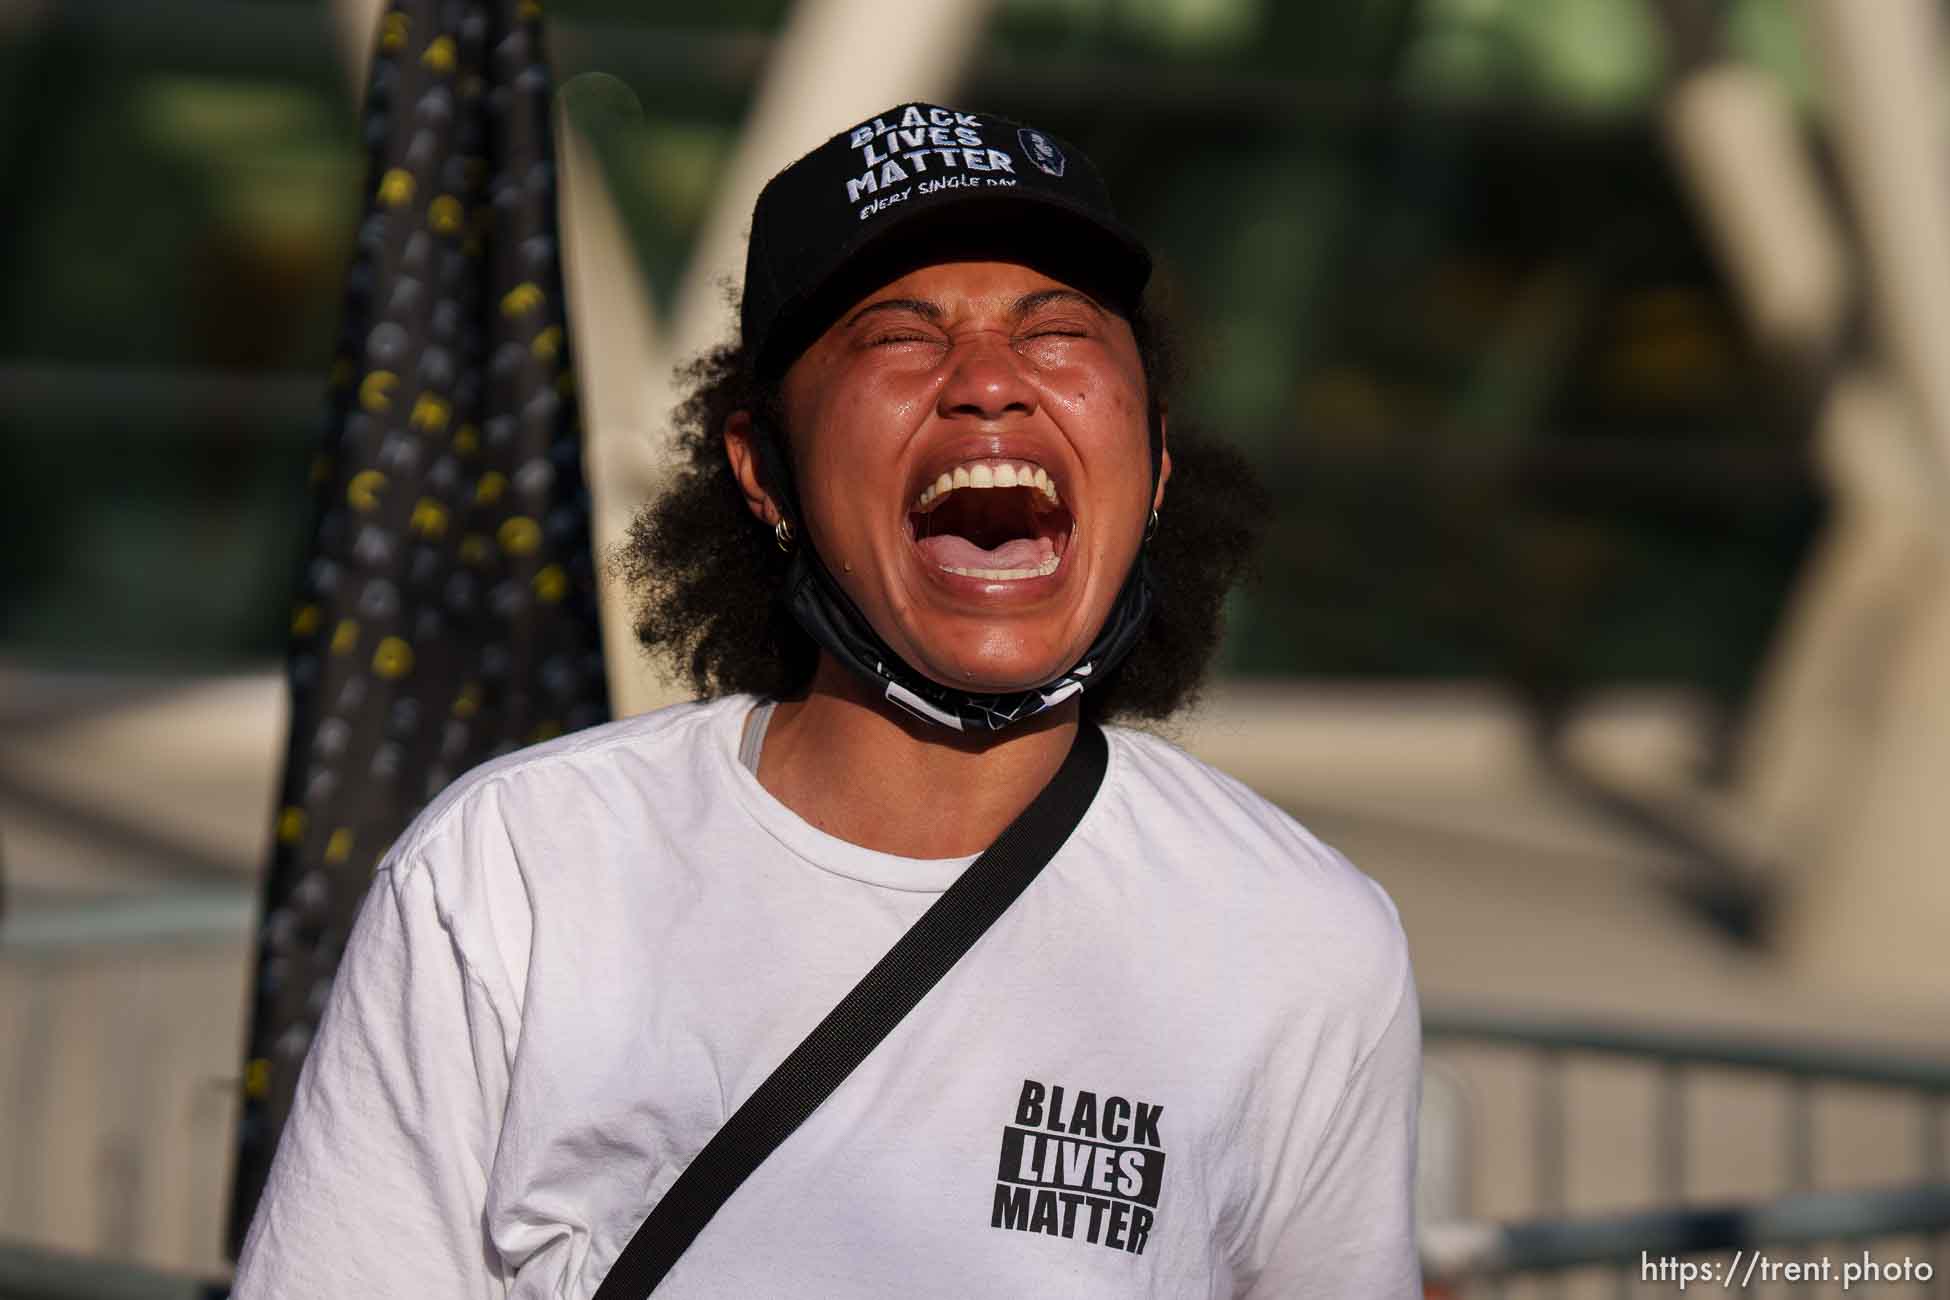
x: 989, y: 474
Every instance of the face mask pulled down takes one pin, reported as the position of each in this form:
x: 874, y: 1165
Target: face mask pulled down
x: 831, y: 618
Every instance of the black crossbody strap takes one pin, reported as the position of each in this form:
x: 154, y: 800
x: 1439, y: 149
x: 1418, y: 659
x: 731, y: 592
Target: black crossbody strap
x: 851, y: 1030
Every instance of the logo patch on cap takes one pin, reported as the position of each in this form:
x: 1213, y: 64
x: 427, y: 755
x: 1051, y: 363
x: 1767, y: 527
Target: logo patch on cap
x: 1041, y: 150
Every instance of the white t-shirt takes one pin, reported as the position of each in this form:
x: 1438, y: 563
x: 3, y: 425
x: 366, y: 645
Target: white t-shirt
x: 1184, y: 1063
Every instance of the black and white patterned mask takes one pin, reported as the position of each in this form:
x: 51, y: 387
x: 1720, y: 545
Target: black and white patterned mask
x: 831, y: 618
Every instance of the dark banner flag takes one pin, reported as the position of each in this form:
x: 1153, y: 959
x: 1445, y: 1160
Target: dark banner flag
x: 447, y: 609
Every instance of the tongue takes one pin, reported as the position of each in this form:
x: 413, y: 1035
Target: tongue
x: 951, y: 551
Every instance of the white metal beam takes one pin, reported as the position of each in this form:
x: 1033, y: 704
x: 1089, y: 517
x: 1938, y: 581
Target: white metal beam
x: 836, y: 62
x: 613, y: 324
x: 1739, y: 149
x: 1880, y: 66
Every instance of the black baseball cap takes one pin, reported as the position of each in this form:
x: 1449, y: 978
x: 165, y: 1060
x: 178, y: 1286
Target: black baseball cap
x: 917, y: 184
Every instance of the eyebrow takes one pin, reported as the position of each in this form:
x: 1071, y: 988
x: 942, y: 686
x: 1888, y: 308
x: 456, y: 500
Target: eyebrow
x: 1030, y: 302
x: 932, y: 311
x: 919, y: 306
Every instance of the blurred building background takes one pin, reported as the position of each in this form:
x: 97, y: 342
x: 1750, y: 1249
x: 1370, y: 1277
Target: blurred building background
x: 1595, y: 352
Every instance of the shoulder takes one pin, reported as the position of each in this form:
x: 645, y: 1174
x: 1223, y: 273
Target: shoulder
x: 1233, y: 850
x: 543, y: 825
x: 586, y: 770
x: 1170, y: 793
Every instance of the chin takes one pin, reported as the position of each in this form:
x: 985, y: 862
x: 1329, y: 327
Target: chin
x: 995, y: 651
x: 996, y: 675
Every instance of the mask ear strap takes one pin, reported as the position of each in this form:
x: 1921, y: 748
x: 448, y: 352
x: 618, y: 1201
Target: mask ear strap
x: 775, y: 474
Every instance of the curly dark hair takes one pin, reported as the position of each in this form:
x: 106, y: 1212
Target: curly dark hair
x: 710, y: 581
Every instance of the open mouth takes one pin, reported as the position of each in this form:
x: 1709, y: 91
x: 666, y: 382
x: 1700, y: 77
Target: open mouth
x: 1000, y: 520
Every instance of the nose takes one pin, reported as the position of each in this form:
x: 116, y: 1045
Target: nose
x: 986, y: 381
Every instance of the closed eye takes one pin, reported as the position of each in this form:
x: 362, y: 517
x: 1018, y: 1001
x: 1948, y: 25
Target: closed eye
x: 890, y: 312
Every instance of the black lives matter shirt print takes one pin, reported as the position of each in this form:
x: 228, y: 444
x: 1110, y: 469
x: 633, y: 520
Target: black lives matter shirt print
x: 1081, y: 1167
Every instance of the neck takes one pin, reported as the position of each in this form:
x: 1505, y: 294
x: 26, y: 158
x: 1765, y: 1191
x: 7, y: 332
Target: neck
x: 861, y: 769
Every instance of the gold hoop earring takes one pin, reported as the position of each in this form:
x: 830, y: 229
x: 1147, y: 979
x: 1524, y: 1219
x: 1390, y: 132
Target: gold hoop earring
x: 782, y: 534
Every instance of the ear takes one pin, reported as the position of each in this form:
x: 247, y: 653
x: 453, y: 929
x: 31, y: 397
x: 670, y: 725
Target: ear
x: 1164, y: 464
x: 741, y: 451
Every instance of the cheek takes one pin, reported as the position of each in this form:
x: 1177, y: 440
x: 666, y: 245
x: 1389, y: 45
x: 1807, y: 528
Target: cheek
x: 1107, y: 420
x: 1097, y: 391
x: 869, y: 418
x: 849, y: 463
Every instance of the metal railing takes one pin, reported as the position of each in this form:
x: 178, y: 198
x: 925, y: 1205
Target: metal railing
x: 1463, y: 1251
x: 28, y: 1273
x: 1472, y: 1256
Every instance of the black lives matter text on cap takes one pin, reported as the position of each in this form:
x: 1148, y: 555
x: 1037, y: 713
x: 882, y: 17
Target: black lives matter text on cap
x: 951, y: 145
x: 912, y: 174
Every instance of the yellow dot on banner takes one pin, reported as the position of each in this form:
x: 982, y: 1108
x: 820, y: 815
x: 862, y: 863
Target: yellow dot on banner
x: 551, y: 584
x: 445, y: 215
x: 520, y: 535
x: 547, y: 343
x: 430, y: 413
x: 257, y: 1079
x: 524, y: 297
x: 429, y: 518
x: 362, y: 489
x: 547, y: 730
x: 529, y: 9
x: 291, y: 825
x: 489, y: 489
x: 468, y: 702
x: 339, y: 847
x: 474, y: 549
x: 393, y: 32
x: 467, y: 440
x: 304, y: 620
x: 396, y: 187
x: 376, y: 390
x: 345, y: 637
x: 439, y: 54
x: 393, y: 659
